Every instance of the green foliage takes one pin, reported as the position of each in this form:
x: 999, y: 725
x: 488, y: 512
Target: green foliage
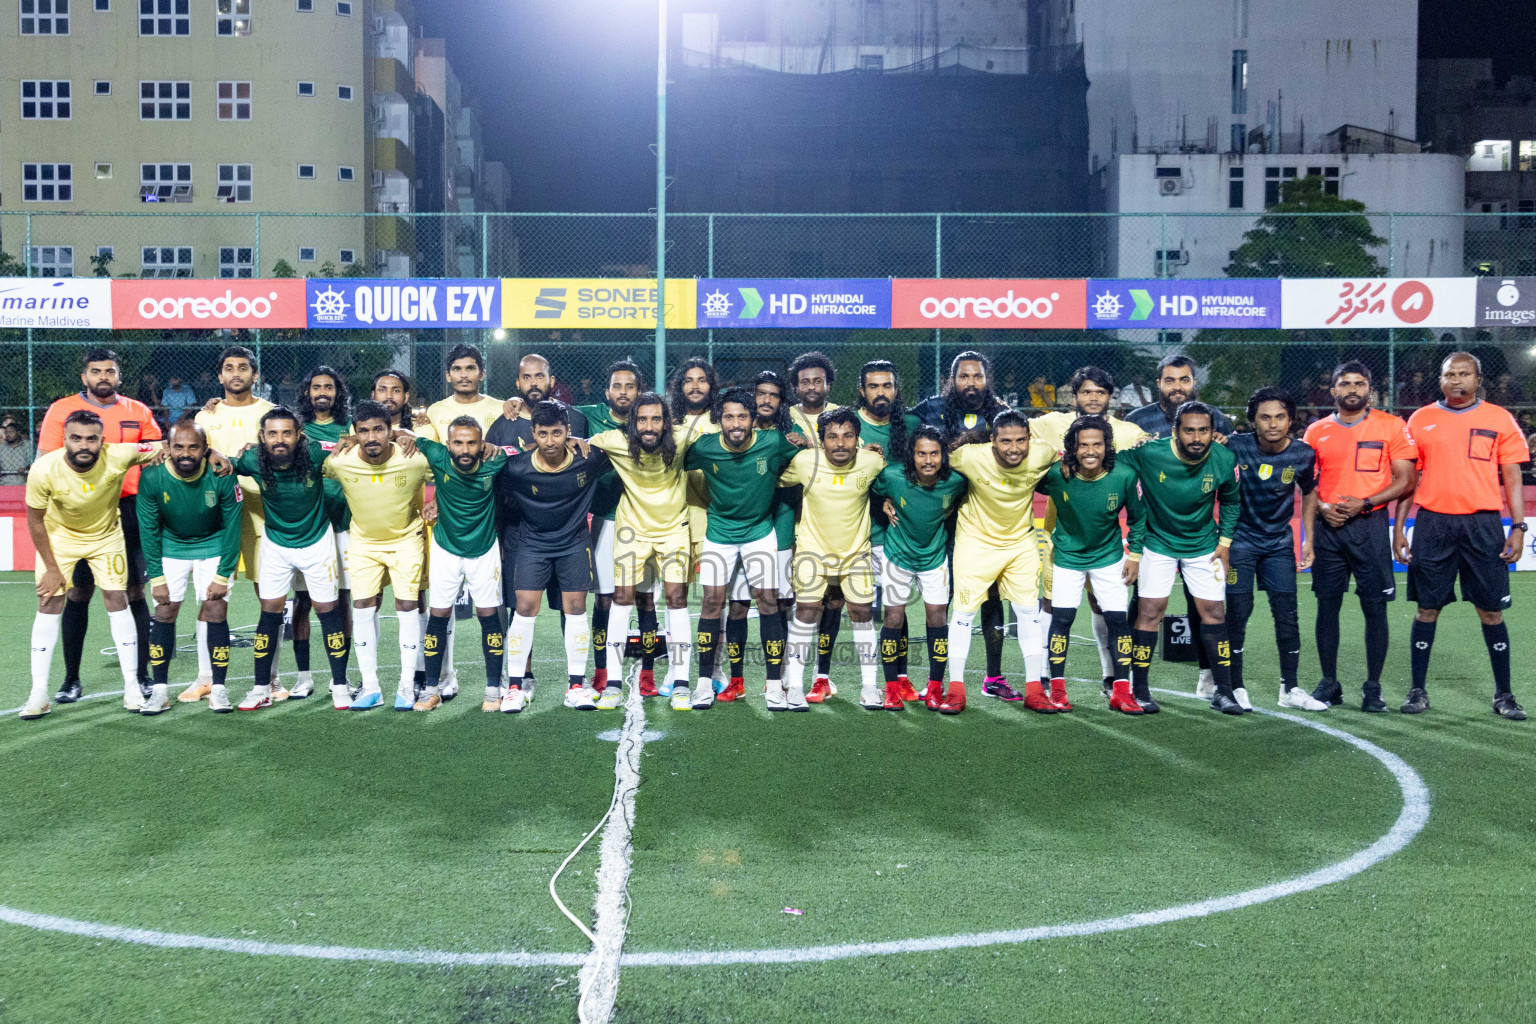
x: 1281, y: 245
x: 10, y: 266
x: 282, y: 268
x: 101, y: 264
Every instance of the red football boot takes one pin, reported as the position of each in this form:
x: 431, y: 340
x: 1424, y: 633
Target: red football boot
x: 820, y: 690
x: 1121, y: 699
x: 648, y: 682
x: 893, y: 701
x: 735, y: 689
x: 904, y: 687
x: 954, y: 700
x: 934, y: 695
x: 1036, y: 699
x: 1059, y: 695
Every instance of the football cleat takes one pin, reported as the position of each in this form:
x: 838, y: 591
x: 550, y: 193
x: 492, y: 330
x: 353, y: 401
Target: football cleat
x: 279, y: 693
x: 196, y: 692
x: 1035, y: 698
x: 934, y: 695
x: 32, y: 711
x: 704, y: 695
x: 218, y: 700
x: 734, y: 690
x: 1205, y: 686
x: 1226, y: 705
x: 1107, y: 687
x: 954, y: 700
x: 514, y: 701
x: 1240, y: 694
x: 133, y: 700
x: 1505, y: 707
x: 304, y: 687
x: 580, y: 698
x: 146, y: 687
x: 998, y: 687
x: 449, y: 688
x: 795, y: 698
x: 1059, y: 695
x: 341, y: 697
x: 259, y: 697
x: 1372, y: 702
x: 773, y: 695
x: 648, y: 683
x: 893, y: 701
x: 491, y: 703
x: 369, y: 699
x: 1120, y: 698
x: 1328, y: 691
x: 904, y: 689
x: 679, y: 697
x: 1148, y: 705
x: 1417, y: 702
x: 821, y: 689
x: 870, y: 698
x: 1300, y: 699
x: 70, y: 692
x: 159, y: 700
x: 612, y: 697
x: 718, y: 685
x: 405, y: 699
x: 429, y: 702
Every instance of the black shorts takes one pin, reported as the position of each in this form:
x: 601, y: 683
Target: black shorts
x: 1445, y: 546
x: 569, y: 571
x: 509, y: 551
x: 1361, y: 548
x: 128, y: 513
x: 1274, y: 568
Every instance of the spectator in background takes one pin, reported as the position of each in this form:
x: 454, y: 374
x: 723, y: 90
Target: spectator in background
x: 1504, y: 391
x: 148, y: 392
x: 178, y: 399
x: 15, y: 453
x: 1134, y: 394
x: 1414, y: 392
x: 207, y: 387
x: 1042, y: 396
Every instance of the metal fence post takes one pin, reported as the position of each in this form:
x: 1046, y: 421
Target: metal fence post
x: 26, y: 264
x: 256, y: 247
x: 1391, y: 331
x: 710, y: 344
x: 938, y: 271
x: 485, y: 271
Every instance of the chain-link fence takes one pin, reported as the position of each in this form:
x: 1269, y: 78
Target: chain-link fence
x: 40, y: 366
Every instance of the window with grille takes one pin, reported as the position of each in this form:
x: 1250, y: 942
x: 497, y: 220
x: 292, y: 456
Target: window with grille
x: 306, y: 254
x: 344, y: 92
x: 234, y: 17
x: 306, y: 171
x: 346, y: 174
x: 165, y: 101
x: 45, y: 99
x: 166, y: 261
x: 47, y: 183
x: 45, y: 17
x: 343, y: 9
x: 234, y: 183
x: 234, y: 101
x: 165, y: 183
x: 306, y: 89
x: 52, y: 260
x: 165, y: 17
x: 348, y: 257
x: 237, y: 261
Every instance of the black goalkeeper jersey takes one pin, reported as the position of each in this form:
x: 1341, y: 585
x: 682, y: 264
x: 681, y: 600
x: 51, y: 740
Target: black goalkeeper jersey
x: 1267, y: 490
x: 552, y: 507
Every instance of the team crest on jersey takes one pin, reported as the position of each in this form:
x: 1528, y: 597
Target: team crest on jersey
x: 1113, y: 501
x: 210, y: 499
x: 399, y: 480
x: 943, y: 502
x: 970, y: 420
x: 1206, y: 483
x: 1289, y: 476
x: 762, y: 467
x: 581, y: 479
x: 1266, y: 471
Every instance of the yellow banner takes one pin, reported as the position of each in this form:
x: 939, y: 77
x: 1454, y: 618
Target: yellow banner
x: 595, y: 302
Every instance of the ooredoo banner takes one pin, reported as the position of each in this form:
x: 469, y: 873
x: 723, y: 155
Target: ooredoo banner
x: 1377, y: 302
x: 222, y: 302
x: 55, y: 302
x: 989, y: 302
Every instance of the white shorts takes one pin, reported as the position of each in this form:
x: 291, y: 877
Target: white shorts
x: 201, y: 570
x: 757, y: 560
x: 1203, y: 576
x: 343, y: 581
x: 1109, y: 587
x: 899, y: 583
x: 446, y: 571
x: 315, y: 563
x: 602, y: 554
x: 741, y: 588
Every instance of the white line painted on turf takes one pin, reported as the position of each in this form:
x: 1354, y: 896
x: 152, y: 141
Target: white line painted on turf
x: 1410, y: 822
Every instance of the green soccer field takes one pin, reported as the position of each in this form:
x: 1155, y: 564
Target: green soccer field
x: 304, y: 864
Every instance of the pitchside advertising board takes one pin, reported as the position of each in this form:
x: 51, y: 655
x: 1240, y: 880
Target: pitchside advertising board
x: 1216, y: 303
x: 595, y: 302
x: 794, y: 302
x: 66, y: 302
x: 223, y: 302
x: 1377, y: 302
x: 1506, y: 301
x: 988, y: 302
x: 352, y: 303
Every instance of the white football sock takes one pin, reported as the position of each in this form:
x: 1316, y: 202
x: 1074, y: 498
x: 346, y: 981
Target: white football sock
x: 519, y: 645
x: 800, y: 645
x: 45, y: 636
x: 410, y: 648
x: 126, y: 636
x: 419, y: 663
x: 1101, y: 637
x: 365, y: 644
x: 578, y: 644
x: 447, y: 670
x: 1029, y: 623
x: 618, y: 638
x: 679, y: 644
x: 204, y: 661
x: 864, y: 640
x: 959, y: 643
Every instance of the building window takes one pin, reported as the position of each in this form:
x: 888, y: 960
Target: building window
x: 1273, y: 176
x: 165, y: 183
x: 306, y: 254
x: 103, y: 172
x: 234, y: 183
x: 306, y: 172
x: 104, y: 5
x: 103, y: 88
x: 343, y: 9
x: 1235, y: 188
x: 166, y: 261
x: 47, y: 183
x: 234, y: 101
x: 45, y: 17
x: 52, y: 260
x: 234, y: 17
x: 1330, y: 181
x: 44, y: 99
x: 1526, y: 206
x: 348, y: 257
x: 105, y: 252
x: 306, y: 6
x: 1239, y: 81
x: 346, y: 174
x: 165, y: 17
x: 344, y: 92
x: 237, y: 261
x: 306, y: 88
x: 1239, y: 138
x: 165, y: 101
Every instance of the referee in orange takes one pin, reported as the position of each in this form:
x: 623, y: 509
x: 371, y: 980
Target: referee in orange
x: 1467, y: 447
x: 123, y: 419
x: 1365, y: 461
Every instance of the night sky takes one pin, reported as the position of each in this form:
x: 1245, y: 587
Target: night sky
x: 565, y: 89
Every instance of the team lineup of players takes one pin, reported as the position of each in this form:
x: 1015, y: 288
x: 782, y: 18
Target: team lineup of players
x: 765, y: 495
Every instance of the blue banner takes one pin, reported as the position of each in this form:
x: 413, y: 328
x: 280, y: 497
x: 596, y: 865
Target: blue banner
x: 355, y: 302
x: 794, y: 302
x: 1228, y: 302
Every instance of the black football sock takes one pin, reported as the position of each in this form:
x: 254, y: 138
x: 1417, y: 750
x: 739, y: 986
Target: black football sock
x: 826, y: 639
x: 1376, y: 640
x: 432, y: 644
x: 938, y: 652
x: 1218, y: 650
x: 901, y: 649
x: 1143, y: 646
x: 1497, y: 639
x: 708, y: 635
x: 333, y: 635
x: 269, y: 630
x: 218, y: 650
x: 1202, y: 655
x: 771, y: 630
x: 1239, y: 610
x: 141, y: 621
x: 300, y: 650
x: 1422, y: 640
x: 993, y: 625
x: 736, y: 642
x: 647, y: 639
x: 162, y: 647
x: 1328, y: 634
x: 1119, y: 642
x: 75, y: 621
x: 890, y: 643
x: 1061, y: 640
x: 600, y: 632
x: 492, y: 645
x: 1282, y: 607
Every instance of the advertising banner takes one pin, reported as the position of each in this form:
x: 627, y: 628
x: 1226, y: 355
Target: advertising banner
x: 594, y: 302
x: 1506, y: 301
x: 794, y: 302
x: 207, y: 303
x: 1377, y: 302
x: 68, y: 302
x: 1163, y: 303
x: 988, y: 302
x: 382, y: 304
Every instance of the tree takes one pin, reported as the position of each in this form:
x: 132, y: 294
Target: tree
x: 282, y: 268
x: 9, y: 265
x: 1313, y: 245
x: 101, y: 262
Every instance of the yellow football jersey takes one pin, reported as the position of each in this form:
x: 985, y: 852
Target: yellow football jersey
x: 655, y: 499
x: 1052, y: 429
x: 807, y: 424
x: 385, y: 500
x: 485, y: 409
x: 999, y: 507
x: 82, y: 506
x: 231, y: 427
x: 834, y: 512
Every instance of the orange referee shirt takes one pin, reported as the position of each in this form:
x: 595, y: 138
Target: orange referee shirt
x: 1460, y: 452
x: 1355, y: 459
x: 126, y: 419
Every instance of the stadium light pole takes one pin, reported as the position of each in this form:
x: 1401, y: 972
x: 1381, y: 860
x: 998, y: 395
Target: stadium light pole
x: 661, y: 194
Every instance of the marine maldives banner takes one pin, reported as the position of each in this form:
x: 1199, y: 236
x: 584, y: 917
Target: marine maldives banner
x: 794, y: 302
x: 206, y: 303
x: 989, y: 302
x: 1378, y: 302
x: 350, y: 303
x: 1162, y: 302
x: 50, y: 302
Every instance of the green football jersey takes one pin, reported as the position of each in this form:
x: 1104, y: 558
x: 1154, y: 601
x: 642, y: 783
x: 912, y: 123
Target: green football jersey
x: 1179, y: 497
x: 188, y: 519
x: 1087, y: 533
x: 920, y: 535
x: 605, y: 498
x: 880, y: 434
x: 466, y: 503
x: 293, y: 505
x: 741, y: 484
x: 336, y: 508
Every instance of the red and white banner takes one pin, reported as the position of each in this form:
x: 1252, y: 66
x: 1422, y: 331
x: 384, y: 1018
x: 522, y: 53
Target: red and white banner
x: 1377, y: 302
x: 989, y: 302
x: 224, y: 302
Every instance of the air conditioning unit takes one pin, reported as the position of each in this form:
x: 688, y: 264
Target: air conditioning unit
x: 378, y: 179
x: 1169, y: 186
x: 381, y: 259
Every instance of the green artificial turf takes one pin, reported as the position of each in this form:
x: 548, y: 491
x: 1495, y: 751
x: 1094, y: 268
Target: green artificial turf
x: 440, y: 832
